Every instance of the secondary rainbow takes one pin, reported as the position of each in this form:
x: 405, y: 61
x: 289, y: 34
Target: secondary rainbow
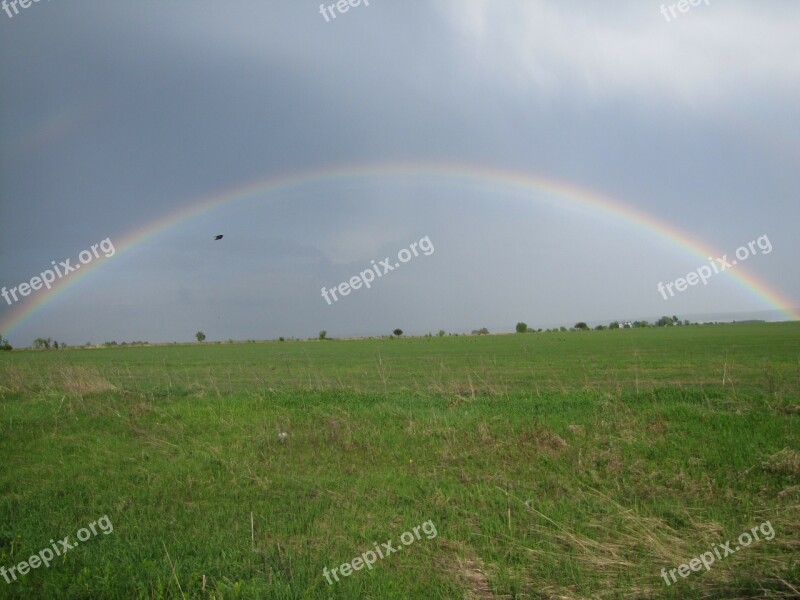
x: 542, y: 189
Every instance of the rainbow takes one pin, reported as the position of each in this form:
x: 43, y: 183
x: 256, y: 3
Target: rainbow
x: 556, y: 193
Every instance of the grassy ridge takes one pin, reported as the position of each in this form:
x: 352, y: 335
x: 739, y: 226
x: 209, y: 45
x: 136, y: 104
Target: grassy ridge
x: 553, y: 465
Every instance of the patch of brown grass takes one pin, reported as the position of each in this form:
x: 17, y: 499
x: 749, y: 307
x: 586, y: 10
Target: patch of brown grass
x: 621, y: 541
x: 785, y: 462
x: 544, y: 439
x: 79, y: 380
x: 56, y: 378
x: 657, y: 428
x: 468, y: 569
x: 472, y: 575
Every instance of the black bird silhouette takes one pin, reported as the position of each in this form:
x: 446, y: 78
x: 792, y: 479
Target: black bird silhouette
x: 219, y: 237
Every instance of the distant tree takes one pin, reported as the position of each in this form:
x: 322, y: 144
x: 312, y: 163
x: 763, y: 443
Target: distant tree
x: 686, y: 321
x: 200, y: 336
x: 582, y: 326
x: 600, y: 328
x: 613, y: 325
x: 442, y: 333
x: 281, y: 339
x: 522, y: 327
x: 398, y: 332
x: 41, y: 343
x: 664, y: 321
x: 641, y: 324
x: 323, y: 334
x: 55, y: 345
x: 481, y: 331
x: 4, y: 345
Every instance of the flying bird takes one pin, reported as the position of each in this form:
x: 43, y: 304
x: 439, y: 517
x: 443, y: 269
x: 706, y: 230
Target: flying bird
x: 219, y: 237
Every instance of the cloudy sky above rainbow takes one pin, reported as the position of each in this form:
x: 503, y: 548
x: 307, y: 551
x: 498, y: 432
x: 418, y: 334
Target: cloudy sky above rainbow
x: 563, y: 158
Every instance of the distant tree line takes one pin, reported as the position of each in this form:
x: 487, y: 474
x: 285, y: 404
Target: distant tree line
x: 47, y: 344
x: 521, y: 327
x: 664, y: 321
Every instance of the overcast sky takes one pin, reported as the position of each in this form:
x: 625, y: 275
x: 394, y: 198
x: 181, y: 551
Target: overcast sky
x: 115, y: 114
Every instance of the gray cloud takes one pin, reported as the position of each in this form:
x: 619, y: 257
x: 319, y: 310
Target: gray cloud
x: 116, y: 114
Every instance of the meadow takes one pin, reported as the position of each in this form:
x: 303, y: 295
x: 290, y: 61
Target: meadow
x: 553, y: 465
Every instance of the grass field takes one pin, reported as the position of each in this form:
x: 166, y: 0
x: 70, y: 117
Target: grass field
x: 552, y: 465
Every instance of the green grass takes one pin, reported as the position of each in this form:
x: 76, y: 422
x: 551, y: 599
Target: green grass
x: 558, y: 465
